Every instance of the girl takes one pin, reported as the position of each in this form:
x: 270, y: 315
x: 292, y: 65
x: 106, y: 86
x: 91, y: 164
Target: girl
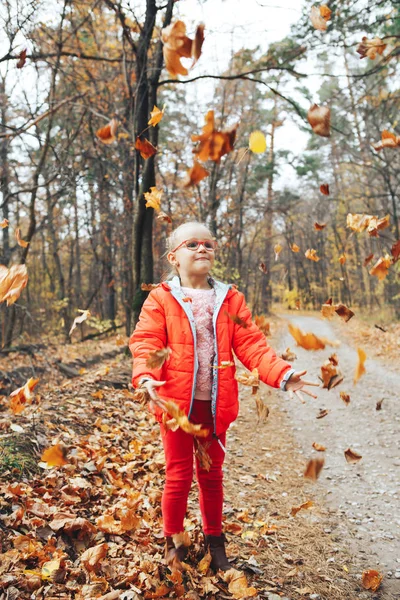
x: 195, y: 316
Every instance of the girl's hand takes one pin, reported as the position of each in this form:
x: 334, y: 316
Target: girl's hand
x: 149, y: 385
x: 296, y: 383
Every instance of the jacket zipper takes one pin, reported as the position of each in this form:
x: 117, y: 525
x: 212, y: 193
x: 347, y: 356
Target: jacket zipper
x: 214, y: 394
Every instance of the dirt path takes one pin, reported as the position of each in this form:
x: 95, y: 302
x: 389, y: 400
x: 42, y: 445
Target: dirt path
x: 365, y: 495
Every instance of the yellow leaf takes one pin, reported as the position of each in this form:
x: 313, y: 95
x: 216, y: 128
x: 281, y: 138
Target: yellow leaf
x: 153, y: 199
x: 156, y: 115
x: 54, y: 456
x: 360, y: 369
x: 257, y: 142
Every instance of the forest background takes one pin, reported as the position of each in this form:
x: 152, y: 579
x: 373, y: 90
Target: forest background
x: 71, y: 68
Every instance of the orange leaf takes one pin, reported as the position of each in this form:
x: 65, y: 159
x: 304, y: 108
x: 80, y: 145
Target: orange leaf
x: 4, y: 223
x: 318, y: 447
x: 23, y: 396
x: 324, y: 189
x: 177, y: 45
x: 395, y: 250
x: 381, y: 267
x: 262, y: 267
x: 107, y: 134
x: 20, y: 241
x: 162, y: 216
x: 147, y: 287
x: 342, y: 258
x: 156, y: 115
x: 277, y: 250
x: 295, y: 509
x: 157, y: 358
x: 12, y: 282
x: 371, y: 579
x: 55, y: 456
x: 237, y: 584
x: 153, y: 198
x: 388, y: 140
x: 360, y: 369
x: 331, y: 375
x: 370, y: 48
x: 182, y: 421
x: 22, y: 59
x: 345, y: 397
x: 309, y: 341
x: 311, y: 254
x: 145, y: 147
x: 351, y: 456
x: 319, y: 226
x: 195, y: 174
x: 313, y: 468
x: 294, y: 248
x: 319, y: 118
x: 92, y: 557
x: 213, y: 144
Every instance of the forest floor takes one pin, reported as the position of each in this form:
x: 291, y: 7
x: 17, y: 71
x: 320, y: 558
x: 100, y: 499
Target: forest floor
x: 107, y: 495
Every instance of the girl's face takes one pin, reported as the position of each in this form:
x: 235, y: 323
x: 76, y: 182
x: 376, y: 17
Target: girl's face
x: 192, y: 262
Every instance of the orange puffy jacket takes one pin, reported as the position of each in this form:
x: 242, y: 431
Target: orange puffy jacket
x: 167, y: 320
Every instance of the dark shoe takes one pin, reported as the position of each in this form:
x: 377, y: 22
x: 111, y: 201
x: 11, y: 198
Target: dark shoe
x: 216, y: 545
x: 174, y: 555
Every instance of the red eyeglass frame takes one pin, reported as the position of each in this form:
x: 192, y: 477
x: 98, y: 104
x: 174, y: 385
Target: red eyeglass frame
x: 199, y: 242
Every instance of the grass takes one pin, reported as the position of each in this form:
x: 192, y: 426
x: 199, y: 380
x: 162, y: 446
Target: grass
x: 19, y: 456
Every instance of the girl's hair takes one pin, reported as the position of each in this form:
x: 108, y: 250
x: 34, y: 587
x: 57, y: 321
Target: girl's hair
x: 171, y: 243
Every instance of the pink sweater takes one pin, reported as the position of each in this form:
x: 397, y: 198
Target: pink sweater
x: 203, y: 302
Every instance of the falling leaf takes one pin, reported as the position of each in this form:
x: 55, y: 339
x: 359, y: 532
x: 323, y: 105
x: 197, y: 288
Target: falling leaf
x: 309, y: 341
x: 331, y: 375
x: 368, y: 259
x: 360, y: 369
x: 351, y: 456
x: 319, y: 226
x: 147, y: 287
x: 361, y: 222
x: 153, y: 199
x: 157, y: 358
x: 195, y: 174
x: 20, y: 241
x: 251, y: 379
x: 23, y: 396
x: 294, y: 248
x: 319, y: 118
x: 388, y: 140
x: 257, y: 142
x: 204, y: 564
x: 313, y: 468
x: 55, y: 456
x: 263, y: 268
x: 237, y: 584
x: 381, y: 267
x: 324, y: 189
x: 262, y: 409
x: 145, y: 147
x: 224, y: 364
x: 288, y: 355
x: 328, y: 310
x: 162, y: 216
x: 370, y: 48
x: 202, y: 454
x: 22, y: 59
x: 156, y: 115
x: 92, y: 557
x: 379, y: 404
x: 318, y: 447
x: 345, y: 397
x: 236, y: 319
x: 12, y: 282
x: 85, y: 314
x: 177, y: 45
x: 311, y: 254
x: 322, y: 413
x: 395, y: 250
x: 182, y: 420
x: 107, y: 134
x: 319, y: 16
x: 371, y: 579
x: 277, y: 250
x: 213, y: 144
x: 306, y: 505
x: 262, y: 323
x: 4, y: 223
x: 342, y: 258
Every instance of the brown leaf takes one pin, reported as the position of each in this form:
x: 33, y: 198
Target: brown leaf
x: 342, y: 258
x: 381, y: 267
x: 92, y: 557
x: 262, y: 323
x: 322, y: 413
x: 213, y: 144
x: 262, y: 409
x: 319, y: 226
x: 371, y: 579
x: 22, y: 59
x: 388, y: 140
x: 177, y: 45
x: 324, y: 189
x: 20, y: 241
x: 330, y: 373
x: 157, y: 358
x: 202, y: 455
x: 360, y: 368
x: 361, y: 222
x: 319, y: 118
x: 329, y: 309
x: 147, y: 287
x: 395, y: 250
x: 248, y: 378
x: 379, y: 404
x: 23, y: 396
x: 345, y: 397
x: 237, y: 584
x: 236, y: 319
x: 318, y: 447
x: 306, y: 505
x: 262, y: 267
x: 313, y: 468
x: 368, y: 259
x: 145, y: 147
x: 181, y: 418
x: 288, y: 355
x: 311, y: 254
x: 351, y: 456
x: 195, y: 174
x: 370, y: 48
x: 107, y: 134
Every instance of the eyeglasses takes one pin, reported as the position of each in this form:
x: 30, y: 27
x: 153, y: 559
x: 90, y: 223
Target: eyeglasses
x: 209, y: 245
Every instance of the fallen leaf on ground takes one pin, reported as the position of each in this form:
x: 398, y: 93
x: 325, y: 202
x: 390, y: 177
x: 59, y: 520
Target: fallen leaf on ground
x: 371, y: 579
x: 351, y: 456
x: 313, y: 468
x: 295, y: 509
x: 319, y: 16
x: 107, y: 134
x: 319, y: 118
x: 92, y: 557
x: 55, y: 456
x: 237, y: 584
x: 157, y: 358
x: 360, y: 368
x: 370, y: 48
x: 85, y: 314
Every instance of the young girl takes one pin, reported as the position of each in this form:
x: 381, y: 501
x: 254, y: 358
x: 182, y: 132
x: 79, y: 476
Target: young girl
x: 194, y: 315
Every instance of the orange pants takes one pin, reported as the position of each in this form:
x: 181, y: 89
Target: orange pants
x: 179, y: 450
